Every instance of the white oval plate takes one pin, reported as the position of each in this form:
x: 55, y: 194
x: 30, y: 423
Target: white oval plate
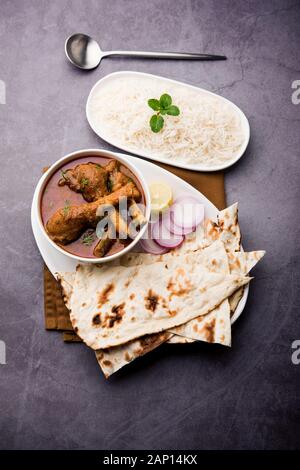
x: 58, y: 262
x: 158, y: 158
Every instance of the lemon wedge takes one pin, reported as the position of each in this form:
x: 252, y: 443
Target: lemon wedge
x: 161, y: 196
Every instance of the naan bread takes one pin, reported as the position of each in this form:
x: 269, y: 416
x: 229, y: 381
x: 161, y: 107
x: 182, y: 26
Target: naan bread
x: 219, y: 320
x: 224, y: 228
x: 111, y: 306
x: 241, y: 263
x: 176, y: 339
x: 113, y: 359
x: 66, y: 280
x: 227, y: 220
x: 215, y: 327
x: 212, y: 327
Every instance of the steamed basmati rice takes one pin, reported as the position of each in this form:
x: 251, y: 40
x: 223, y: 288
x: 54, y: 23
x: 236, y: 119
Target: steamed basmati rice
x: 208, y: 130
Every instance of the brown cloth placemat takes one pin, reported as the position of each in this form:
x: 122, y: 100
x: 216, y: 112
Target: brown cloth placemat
x: 212, y: 185
x: 57, y: 314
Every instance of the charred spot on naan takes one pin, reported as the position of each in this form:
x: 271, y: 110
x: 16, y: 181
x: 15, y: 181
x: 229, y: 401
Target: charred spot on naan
x: 234, y: 262
x: 119, y: 309
x: 97, y: 319
x: 170, y: 284
x: 116, y: 315
x: 215, y: 265
x: 151, y: 300
x: 127, y: 356
x: 104, y: 295
x: 107, y: 363
x: 179, y: 285
x: 130, y: 278
x: 149, y: 342
x: 212, y: 230
x: 209, y: 331
x: 172, y: 313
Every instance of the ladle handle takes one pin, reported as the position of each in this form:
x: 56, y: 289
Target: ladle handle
x: 165, y: 55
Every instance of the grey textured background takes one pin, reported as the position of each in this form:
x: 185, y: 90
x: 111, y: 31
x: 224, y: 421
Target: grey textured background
x: 53, y: 395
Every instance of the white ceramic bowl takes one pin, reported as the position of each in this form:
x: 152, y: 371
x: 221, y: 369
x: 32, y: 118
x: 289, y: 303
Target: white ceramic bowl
x: 85, y: 153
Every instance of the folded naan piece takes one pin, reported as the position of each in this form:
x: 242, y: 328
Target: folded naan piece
x: 113, y: 359
x: 214, y: 327
x: 227, y: 222
x: 241, y: 263
x: 226, y: 229
x: 111, y: 306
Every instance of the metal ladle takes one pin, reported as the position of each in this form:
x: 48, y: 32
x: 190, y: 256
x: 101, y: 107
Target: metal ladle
x: 84, y: 52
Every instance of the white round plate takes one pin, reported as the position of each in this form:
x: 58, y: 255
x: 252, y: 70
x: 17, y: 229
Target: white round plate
x: 58, y: 262
x: 142, y: 152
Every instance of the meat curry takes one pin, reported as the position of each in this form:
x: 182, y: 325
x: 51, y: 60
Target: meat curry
x: 72, y: 203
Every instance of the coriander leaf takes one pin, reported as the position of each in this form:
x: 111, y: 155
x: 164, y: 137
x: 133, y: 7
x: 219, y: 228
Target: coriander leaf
x: 88, y: 238
x: 165, y: 101
x: 173, y: 110
x: 156, y: 123
x: 84, y: 182
x: 63, y: 174
x: 66, y: 207
x: 154, y: 104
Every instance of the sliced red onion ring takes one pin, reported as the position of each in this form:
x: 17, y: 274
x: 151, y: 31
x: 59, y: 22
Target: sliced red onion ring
x: 187, y: 212
x: 164, y: 237
x: 150, y: 246
x: 174, y: 228
x: 146, y: 243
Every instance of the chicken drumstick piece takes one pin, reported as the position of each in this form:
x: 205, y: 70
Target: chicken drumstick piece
x: 67, y: 224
